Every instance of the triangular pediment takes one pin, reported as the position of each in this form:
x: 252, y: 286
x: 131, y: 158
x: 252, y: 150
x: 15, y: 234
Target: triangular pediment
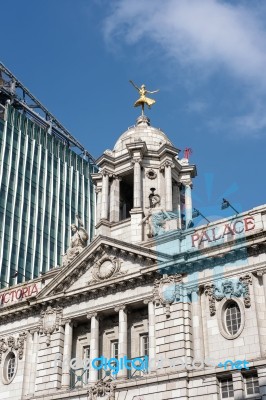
x: 104, y: 261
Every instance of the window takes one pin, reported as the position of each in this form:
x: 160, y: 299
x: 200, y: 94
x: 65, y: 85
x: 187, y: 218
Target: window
x: 114, y: 349
x: 227, y: 390
x: 252, y: 384
x: 144, y: 344
x: 86, y: 357
x: 9, y: 369
x: 232, y: 318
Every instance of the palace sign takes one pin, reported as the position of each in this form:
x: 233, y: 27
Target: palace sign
x: 19, y: 294
x: 235, y: 228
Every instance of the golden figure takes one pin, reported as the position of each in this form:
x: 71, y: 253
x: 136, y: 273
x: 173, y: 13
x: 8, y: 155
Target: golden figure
x: 143, y: 99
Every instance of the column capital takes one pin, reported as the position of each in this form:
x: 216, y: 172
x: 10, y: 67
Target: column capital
x: 120, y: 307
x: 193, y: 289
x: 68, y: 321
x: 92, y: 314
x: 260, y: 272
x: 98, y: 189
x: 105, y: 172
x: 149, y: 300
x: 166, y: 164
x: 137, y: 160
x: 34, y: 330
x: 186, y: 182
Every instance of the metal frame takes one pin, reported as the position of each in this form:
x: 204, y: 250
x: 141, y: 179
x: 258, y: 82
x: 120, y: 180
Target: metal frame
x: 21, y: 97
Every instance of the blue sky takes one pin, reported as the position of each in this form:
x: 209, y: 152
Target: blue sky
x: 208, y: 58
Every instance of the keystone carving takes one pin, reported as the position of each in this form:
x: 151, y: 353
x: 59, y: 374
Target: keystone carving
x: 50, y: 322
x: 228, y: 289
x: 102, y: 389
x: 167, y: 290
x: 11, y: 343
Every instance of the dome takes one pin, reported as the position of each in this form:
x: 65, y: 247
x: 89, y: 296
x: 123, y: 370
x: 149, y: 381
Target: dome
x: 142, y: 131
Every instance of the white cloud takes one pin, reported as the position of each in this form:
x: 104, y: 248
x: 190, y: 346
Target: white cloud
x: 198, y: 33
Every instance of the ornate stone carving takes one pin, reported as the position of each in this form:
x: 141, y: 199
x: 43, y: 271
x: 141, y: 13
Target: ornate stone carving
x: 151, y: 174
x: 156, y: 216
x: 228, y: 289
x: 166, y: 164
x: 50, y: 321
x: 136, y: 160
x: 77, y: 243
x: 167, y: 290
x: 12, y: 343
x: 102, y: 389
x: 105, y: 268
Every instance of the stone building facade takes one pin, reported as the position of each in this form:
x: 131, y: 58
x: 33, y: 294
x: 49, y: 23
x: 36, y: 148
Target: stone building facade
x: 183, y: 308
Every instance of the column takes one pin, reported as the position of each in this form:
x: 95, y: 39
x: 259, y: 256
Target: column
x: 98, y: 191
x: 238, y: 386
x: 262, y: 273
x: 67, y: 354
x: 188, y: 201
x: 94, y: 345
x: 114, y: 199
x: 259, y: 302
x: 28, y: 364
x: 34, y: 361
x: 262, y: 382
x: 122, y: 337
x: 105, y: 195
x: 198, y: 341
x: 137, y: 182
x: 168, y: 186
x: 151, y: 317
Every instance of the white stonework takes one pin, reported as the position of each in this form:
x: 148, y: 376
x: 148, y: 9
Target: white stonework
x: 127, y: 294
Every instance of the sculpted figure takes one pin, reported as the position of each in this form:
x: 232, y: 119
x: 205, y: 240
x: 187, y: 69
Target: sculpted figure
x: 143, y: 99
x: 156, y: 217
x: 77, y: 243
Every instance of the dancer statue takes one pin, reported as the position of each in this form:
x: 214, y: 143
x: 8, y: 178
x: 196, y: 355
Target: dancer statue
x: 143, y: 99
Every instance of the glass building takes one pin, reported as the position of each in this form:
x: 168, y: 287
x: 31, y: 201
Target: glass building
x: 43, y: 185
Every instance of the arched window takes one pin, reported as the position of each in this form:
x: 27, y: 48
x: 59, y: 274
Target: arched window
x: 11, y: 363
x: 10, y: 368
x: 232, y: 318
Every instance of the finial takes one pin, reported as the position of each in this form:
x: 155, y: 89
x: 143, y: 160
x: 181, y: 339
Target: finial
x: 143, y: 99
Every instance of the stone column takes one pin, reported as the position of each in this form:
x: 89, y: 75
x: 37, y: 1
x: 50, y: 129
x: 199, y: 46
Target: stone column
x: 177, y: 203
x: 137, y: 183
x: 168, y: 186
x: 33, y: 361
x: 94, y: 345
x: 262, y: 274
x: 262, y: 382
x: 105, y: 195
x: 238, y: 386
x: 188, y: 201
x: 114, y: 199
x: 198, y: 340
x: 98, y: 203
x: 122, y: 338
x: 67, y: 354
x: 152, y: 340
x: 28, y: 364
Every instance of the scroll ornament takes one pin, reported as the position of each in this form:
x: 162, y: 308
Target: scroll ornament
x: 11, y: 343
x: 228, y: 289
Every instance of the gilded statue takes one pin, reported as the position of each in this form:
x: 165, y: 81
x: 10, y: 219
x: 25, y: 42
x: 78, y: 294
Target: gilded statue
x: 78, y: 241
x: 143, y: 99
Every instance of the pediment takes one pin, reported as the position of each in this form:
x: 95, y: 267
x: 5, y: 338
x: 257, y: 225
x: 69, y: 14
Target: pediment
x: 103, y: 262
